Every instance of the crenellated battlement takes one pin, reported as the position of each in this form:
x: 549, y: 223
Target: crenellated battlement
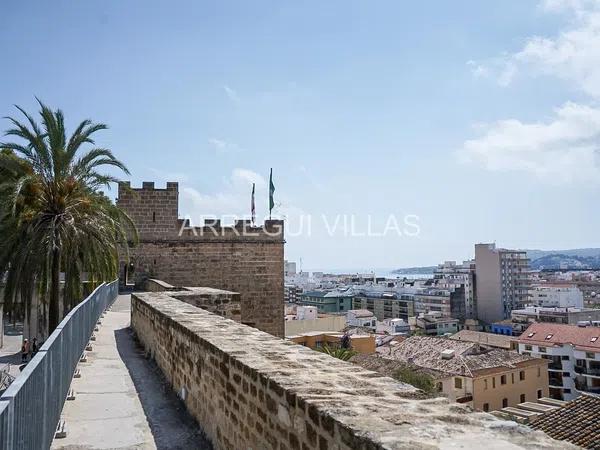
x: 147, y: 186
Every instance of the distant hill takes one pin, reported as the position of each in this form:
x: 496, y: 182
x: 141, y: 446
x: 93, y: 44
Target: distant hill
x: 577, y: 258
x: 579, y: 252
x: 414, y: 270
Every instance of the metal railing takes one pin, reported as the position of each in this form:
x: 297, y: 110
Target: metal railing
x: 30, y: 408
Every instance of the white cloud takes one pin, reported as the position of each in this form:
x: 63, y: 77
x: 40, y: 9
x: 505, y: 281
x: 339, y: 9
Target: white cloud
x: 573, y: 55
x: 563, y: 149
x: 231, y: 94
x: 232, y: 200
x: 223, y: 146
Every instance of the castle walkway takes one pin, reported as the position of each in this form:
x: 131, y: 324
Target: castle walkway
x: 121, y: 400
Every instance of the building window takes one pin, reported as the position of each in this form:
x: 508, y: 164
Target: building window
x: 528, y: 347
x: 566, y: 374
x: 565, y: 357
x: 458, y: 383
x: 503, y: 379
x: 542, y: 349
x: 522, y: 375
x: 539, y: 371
x: 494, y: 383
x: 522, y: 398
x: 440, y: 387
x: 319, y: 344
x: 567, y: 391
x: 504, y: 402
x: 486, y: 407
x: 589, y: 355
x: 539, y: 393
x: 485, y: 384
x: 512, y: 378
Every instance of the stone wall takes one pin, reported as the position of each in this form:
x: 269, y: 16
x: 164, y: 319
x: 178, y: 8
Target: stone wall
x: 241, y: 258
x: 222, y: 303
x: 251, y: 390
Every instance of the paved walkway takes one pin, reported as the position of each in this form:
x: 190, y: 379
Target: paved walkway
x: 122, y: 401
x: 10, y: 352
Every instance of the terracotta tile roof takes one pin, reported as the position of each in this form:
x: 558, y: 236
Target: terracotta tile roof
x: 577, y: 422
x: 468, y: 357
x: 552, y: 334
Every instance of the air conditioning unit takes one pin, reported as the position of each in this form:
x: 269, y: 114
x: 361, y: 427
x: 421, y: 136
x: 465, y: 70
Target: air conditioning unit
x: 447, y: 354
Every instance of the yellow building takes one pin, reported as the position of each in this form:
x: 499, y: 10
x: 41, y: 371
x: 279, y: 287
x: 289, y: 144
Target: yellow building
x: 361, y: 343
x: 483, y: 377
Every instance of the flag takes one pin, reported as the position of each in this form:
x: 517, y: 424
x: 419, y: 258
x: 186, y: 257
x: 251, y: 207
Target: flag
x: 271, y: 192
x: 253, y: 206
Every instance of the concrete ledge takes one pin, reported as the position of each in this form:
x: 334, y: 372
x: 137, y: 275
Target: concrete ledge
x: 248, y: 389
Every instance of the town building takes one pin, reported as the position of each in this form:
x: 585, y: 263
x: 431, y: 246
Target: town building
x: 522, y: 318
x: 386, y: 305
x: 328, y: 301
x: 504, y: 327
x: 556, y: 296
x: 291, y: 293
x: 289, y: 268
x: 393, y: 327
x: 299, y: 324
x: 361, y: 318
x: 502, y: 281
x: 461, y: 277
x: 433, y: 300
x: 485, y: 378
x: 435, y: 324
x: 306, y: 312
x: 573, y: 353
x: 487, y: 339
x: 361, y: 343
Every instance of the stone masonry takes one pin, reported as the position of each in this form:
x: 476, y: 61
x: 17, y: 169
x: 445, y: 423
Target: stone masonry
x: 250, y: 390
x: 242, y: 258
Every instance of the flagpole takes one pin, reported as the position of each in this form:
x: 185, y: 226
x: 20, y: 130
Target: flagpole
x: 271, y: 192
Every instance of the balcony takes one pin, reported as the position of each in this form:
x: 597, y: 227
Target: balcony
x: 593, y: 371
x: 465, y: 398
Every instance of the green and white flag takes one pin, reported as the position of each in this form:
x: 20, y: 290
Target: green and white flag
x: 271, y: 192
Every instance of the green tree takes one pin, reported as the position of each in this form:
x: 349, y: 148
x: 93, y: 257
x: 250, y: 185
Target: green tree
x: 419, y: 380
x: 53, y: 216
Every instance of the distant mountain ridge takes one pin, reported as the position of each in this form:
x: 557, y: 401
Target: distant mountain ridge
x: 579, y: 258
x: 579, y: 252
x: 576, y: 258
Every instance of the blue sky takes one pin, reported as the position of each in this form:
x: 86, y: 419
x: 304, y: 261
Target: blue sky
x: 480, y: 118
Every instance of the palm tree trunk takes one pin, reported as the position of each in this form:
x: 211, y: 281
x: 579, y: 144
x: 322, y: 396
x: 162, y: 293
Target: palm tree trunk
x: 53, y: 313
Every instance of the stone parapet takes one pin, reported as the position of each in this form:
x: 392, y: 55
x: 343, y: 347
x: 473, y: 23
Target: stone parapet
x: 248, y: 389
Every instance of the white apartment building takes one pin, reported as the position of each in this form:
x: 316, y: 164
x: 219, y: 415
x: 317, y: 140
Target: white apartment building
x: 556, y: 296
x: 574, y: 355
x: 502, y: 281
x: 289, y: 268
x: 393, y: 326
x: 361, y: 318
x: 451, y: 275
x: 306, y: 312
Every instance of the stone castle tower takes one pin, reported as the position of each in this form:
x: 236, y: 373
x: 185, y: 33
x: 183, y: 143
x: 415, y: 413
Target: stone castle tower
x: 242, y: 258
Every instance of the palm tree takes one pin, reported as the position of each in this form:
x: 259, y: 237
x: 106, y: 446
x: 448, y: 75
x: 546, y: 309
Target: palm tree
x: 338, y: 352
x: 53, y: 216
